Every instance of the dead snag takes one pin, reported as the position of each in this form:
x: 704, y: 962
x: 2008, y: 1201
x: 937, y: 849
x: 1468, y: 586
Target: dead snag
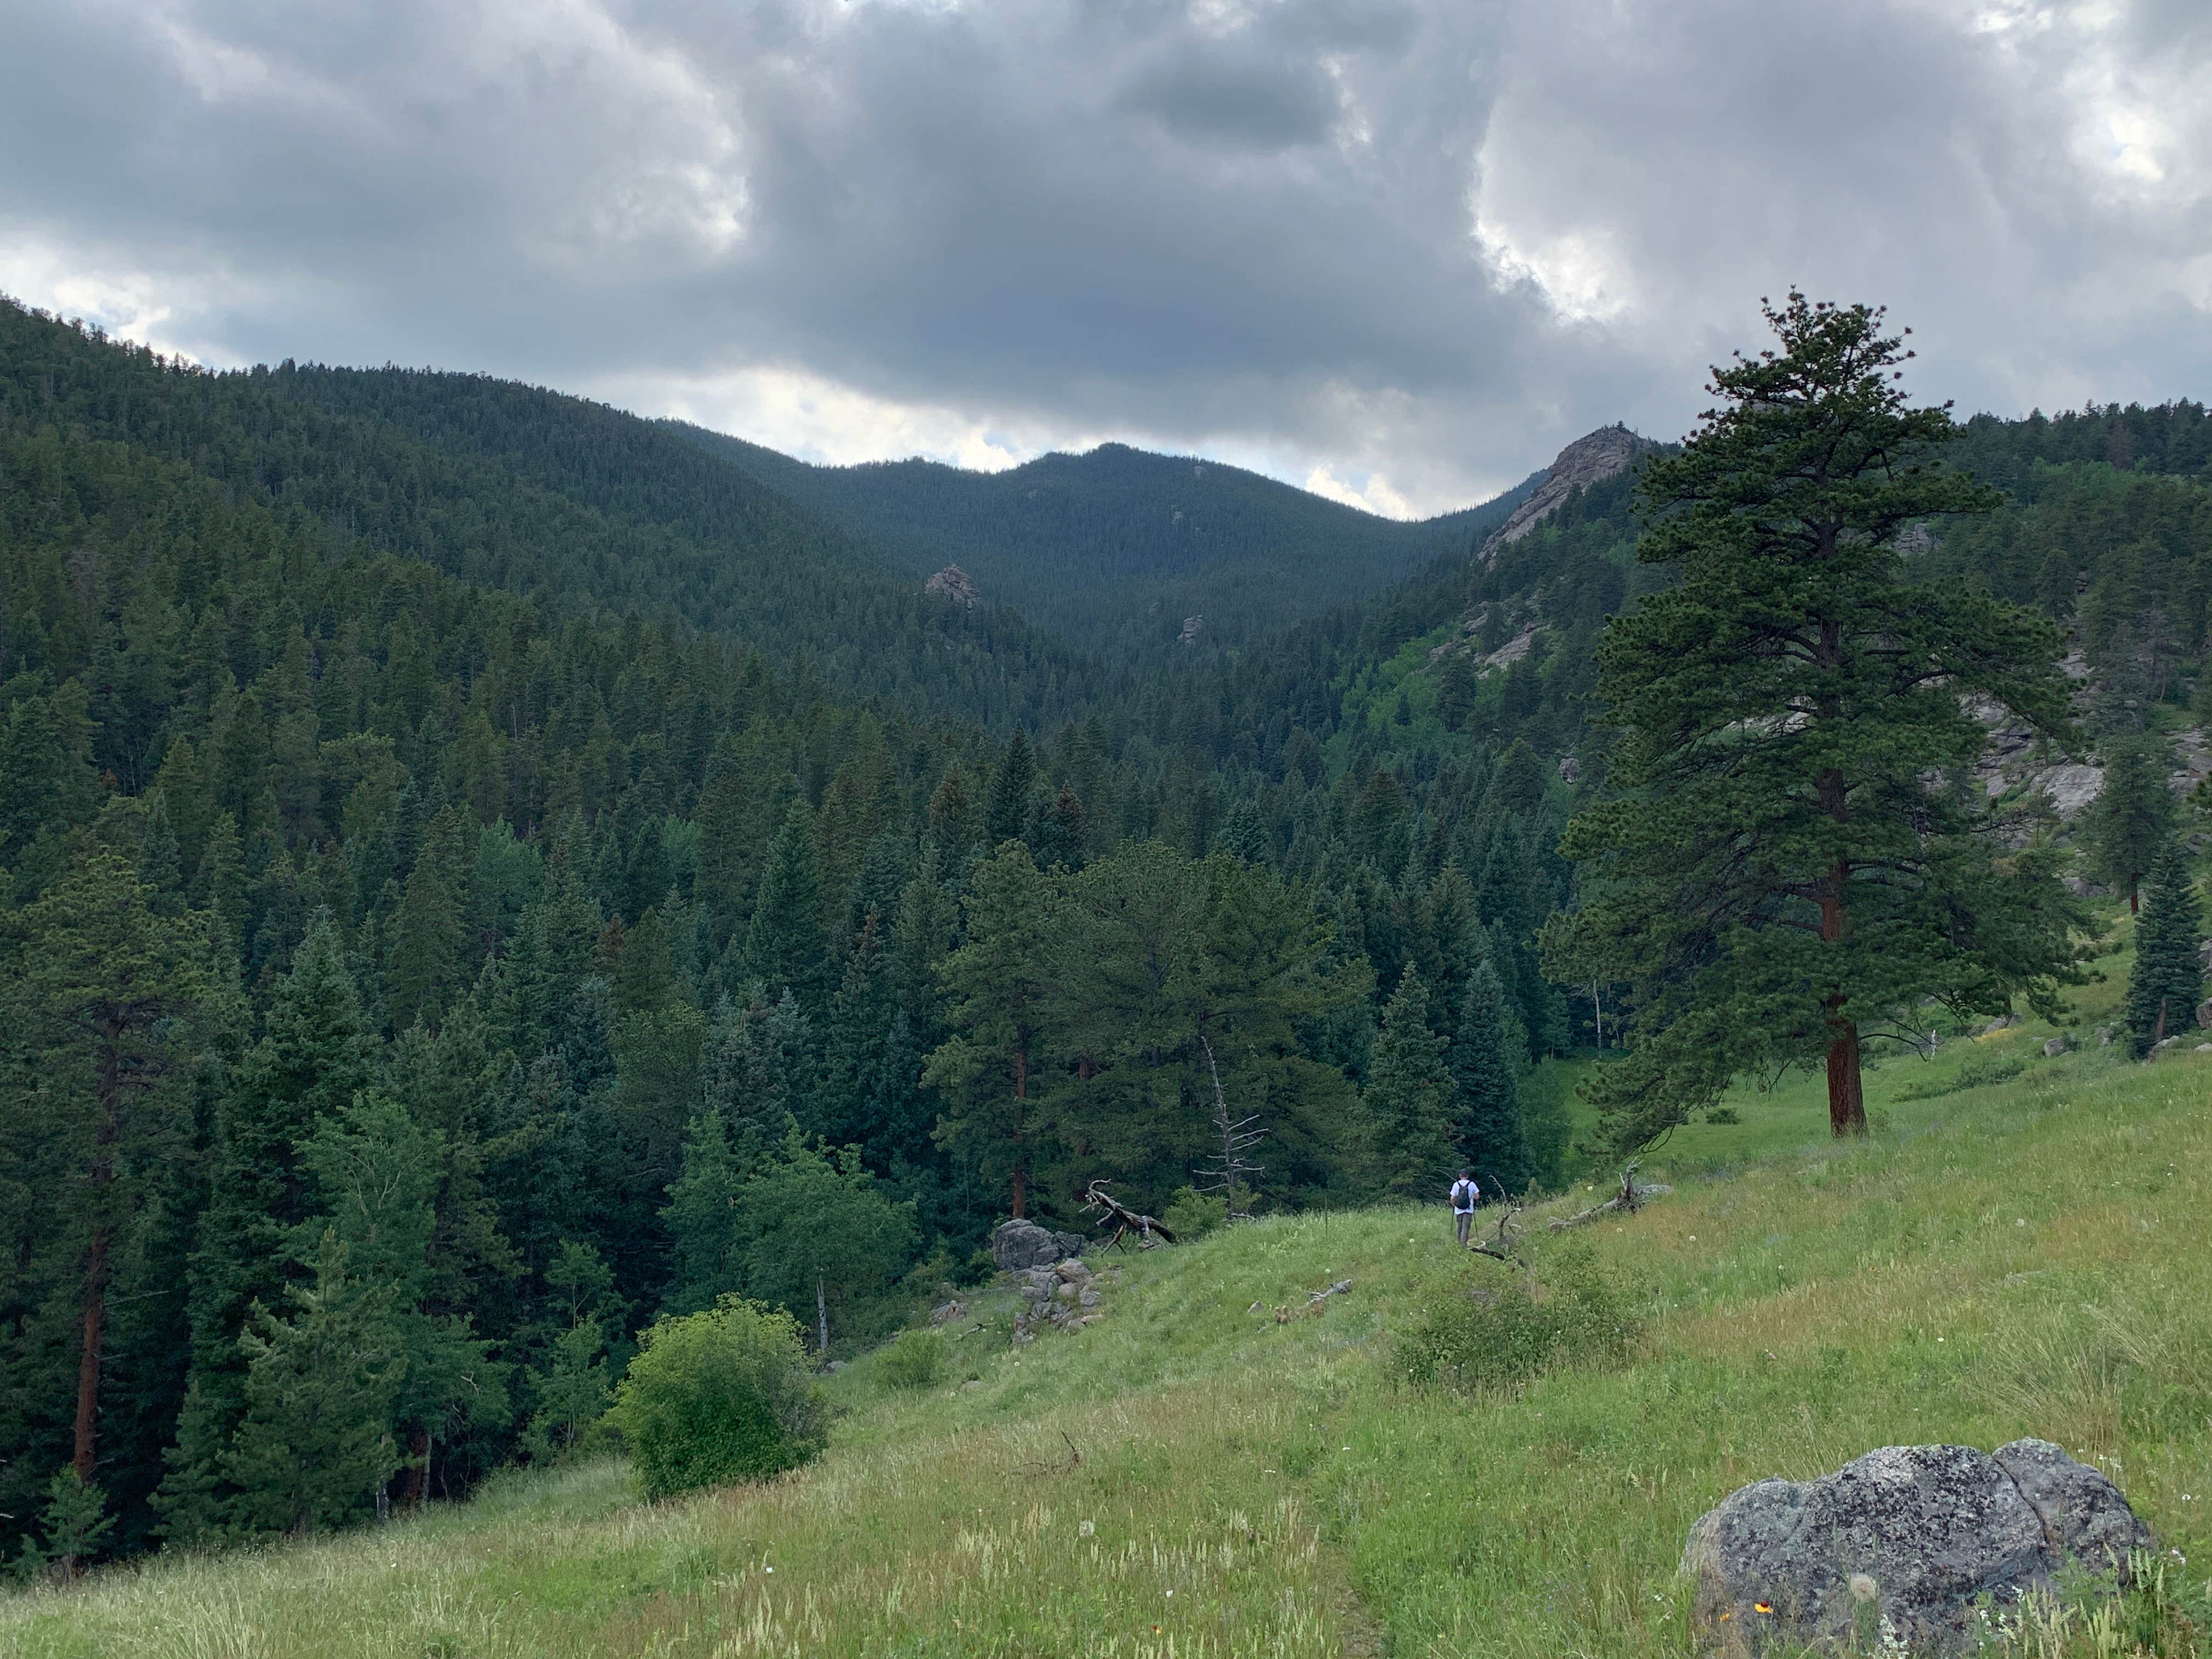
x: 1125, y: 1220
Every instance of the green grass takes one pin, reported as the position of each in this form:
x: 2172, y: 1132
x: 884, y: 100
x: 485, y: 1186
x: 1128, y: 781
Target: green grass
x: 1191, y: 1477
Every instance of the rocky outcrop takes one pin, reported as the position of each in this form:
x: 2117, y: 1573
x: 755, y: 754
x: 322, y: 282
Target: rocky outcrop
x: 954, y: 584
x: 1191, y: 627
x: 1588, y: 461
x: 1063, y: 1296
x: 1894, y: 1551
x: 1016, y: 1245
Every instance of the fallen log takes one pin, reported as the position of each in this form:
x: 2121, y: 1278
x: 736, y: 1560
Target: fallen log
x: 1284, y: 1314
x: 1625, y: 1201
x: 1498, y: 1247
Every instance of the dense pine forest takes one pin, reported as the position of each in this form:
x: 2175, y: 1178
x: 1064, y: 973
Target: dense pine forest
x: 479, y: 872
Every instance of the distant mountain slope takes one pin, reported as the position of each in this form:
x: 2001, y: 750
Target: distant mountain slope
x: 555, y: 497
x: 1115, y: 548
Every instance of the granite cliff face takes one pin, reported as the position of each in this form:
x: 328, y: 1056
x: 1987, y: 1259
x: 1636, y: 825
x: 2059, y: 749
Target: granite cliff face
x: 1587, y: 460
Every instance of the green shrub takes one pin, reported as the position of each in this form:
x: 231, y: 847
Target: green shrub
x: 1191, y: 1214
x: 1480, y: 1335
x: 915, y: 1359
x: 718, y: 1396
x: 1974, y: 1074
x: 1723, y: 1115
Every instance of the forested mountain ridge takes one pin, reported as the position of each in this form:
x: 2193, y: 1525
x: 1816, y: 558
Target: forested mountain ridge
x: 556, y: 498
x: 513, y: 958
x: 1115, y: 548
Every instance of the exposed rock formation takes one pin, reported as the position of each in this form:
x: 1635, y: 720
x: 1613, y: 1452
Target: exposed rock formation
x: 1016, y: 1245
x: 1064, y: 1295
x: 1586, y: 461
x: 1893, y: 1549
x: 1191, y: 625
x: 954, y: 584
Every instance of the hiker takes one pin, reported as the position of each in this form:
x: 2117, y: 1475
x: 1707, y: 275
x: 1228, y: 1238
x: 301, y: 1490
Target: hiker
x: 1464, y: 1195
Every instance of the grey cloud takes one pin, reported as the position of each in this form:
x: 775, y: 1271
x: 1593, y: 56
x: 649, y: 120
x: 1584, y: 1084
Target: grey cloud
x: 1249, y: 226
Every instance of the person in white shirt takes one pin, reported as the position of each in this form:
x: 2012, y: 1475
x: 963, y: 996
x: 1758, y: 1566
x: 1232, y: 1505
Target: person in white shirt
x: 1464, y: 1196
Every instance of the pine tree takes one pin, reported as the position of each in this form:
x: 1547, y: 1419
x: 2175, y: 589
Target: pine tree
x: 92, y: 1012
x: 425, y: 961
x: 1007, y: 814
x: 1408, y: 1096
x: 786, y: 945
x: 1000, y: 984
x: 2127, y: 826
x: 2168, y: 979
x: 1486, y: 1100
x: 1455, y: 691
x: 318, y: 1440
x: 1777, y: 872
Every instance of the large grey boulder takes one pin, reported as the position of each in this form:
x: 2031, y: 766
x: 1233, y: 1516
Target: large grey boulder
x: 1018, y: 1244
x: 1896, y: 1546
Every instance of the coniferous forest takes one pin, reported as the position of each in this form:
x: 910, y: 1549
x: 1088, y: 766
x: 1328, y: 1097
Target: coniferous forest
x: 480, y: 871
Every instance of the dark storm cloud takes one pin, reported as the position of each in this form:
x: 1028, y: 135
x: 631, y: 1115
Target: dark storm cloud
x: 1432, y: 240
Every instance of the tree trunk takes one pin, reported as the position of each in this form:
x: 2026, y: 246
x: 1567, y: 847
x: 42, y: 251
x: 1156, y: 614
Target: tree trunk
x: 88, y: 1364
x: 2135, y: 898
x: 1846, y: 1093
x: 418, y: 1469
x: 1021, y: 1093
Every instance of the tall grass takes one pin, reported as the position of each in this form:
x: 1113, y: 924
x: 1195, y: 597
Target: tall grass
x: 1191, y: 1476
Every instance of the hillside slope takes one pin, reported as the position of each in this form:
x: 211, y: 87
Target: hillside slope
x: 1115, y: 548
x: 1191, y: 1476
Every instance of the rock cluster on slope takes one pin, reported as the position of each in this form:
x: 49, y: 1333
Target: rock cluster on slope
x: 1064, y: 1295
x: 1894, y: 1550
x: 1016, y: 1245
x: 954, y: 584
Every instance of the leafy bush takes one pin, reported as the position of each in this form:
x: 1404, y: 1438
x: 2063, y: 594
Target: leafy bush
x: 1723, y: 1115
x: 915, y: 1360
x: 1479, y: 1336
x: 1191, y: 1214
x: 718, y: 1396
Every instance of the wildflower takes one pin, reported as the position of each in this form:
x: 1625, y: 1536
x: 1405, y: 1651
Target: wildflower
x: 1862, y: 1586
x: 1086, y: 1529
x: 1762, y: 1607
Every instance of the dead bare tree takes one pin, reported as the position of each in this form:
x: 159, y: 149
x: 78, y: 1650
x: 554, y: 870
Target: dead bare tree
x: 1237, y: 1137
x: 1098, y: 1201
x: 1499, y: 1246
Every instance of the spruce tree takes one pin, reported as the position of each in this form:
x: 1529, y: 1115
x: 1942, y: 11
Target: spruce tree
x: 2127, y: 826
x: 1486, y: 1099
x: 1408, y: 1096
x: 2168, y: 979
x: 785, y: 944
x: 1000, y: 985
x: 1784, y: 867
x: 1007, y: 812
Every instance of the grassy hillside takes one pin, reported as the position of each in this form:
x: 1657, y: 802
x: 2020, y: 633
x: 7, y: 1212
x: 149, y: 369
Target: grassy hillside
x: 1189, y: 1476
x: 1115, y: 548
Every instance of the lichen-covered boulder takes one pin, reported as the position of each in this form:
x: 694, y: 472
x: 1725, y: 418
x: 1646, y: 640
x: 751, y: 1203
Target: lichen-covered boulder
x: 1899, y: 1546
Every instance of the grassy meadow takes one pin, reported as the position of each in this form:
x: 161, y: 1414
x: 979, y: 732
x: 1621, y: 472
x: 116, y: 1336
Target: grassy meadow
x: 1191, y: 1477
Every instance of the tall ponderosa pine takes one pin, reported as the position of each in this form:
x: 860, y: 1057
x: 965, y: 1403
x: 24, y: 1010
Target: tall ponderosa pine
x: 2168, y: 978
x: 1007, y: 814
x: 1781, y: 873
x: 785, y: 944
x: 91, y: 1014
x: 2126, y: 827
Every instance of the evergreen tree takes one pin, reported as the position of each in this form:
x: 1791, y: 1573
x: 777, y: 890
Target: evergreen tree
x: 2169, y: 979
x: 1486, y: 1100
x: 785, y: 945
x: 1007, y: 812
x: 1456, y: 690
x: 1777, y: 873
x: 701, y: 1214
x: 1243, y: 836
x: 96, y: 989
x: 317, y: 1440
x: 1408, y: 1096
x: 1000, y: 984
x: 2128, y: 825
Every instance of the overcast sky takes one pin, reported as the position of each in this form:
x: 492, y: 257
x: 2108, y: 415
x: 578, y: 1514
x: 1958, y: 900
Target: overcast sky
x: 1398, y: 250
